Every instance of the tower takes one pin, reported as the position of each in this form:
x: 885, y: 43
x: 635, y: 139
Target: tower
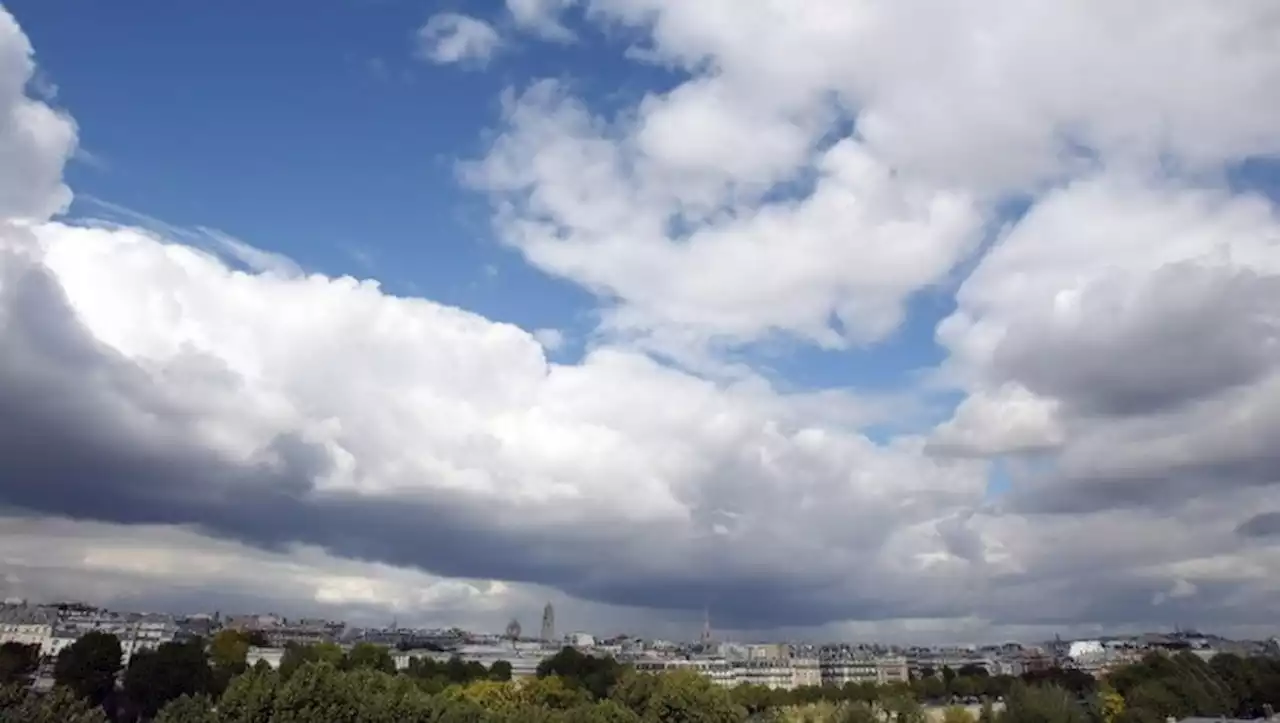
x: 706, y: 626
x: 548, y: 624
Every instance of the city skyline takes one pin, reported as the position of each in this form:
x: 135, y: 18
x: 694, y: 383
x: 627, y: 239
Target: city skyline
x: 910, y: 320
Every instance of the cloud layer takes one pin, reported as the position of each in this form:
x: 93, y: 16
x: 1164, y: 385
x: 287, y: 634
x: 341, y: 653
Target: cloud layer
x: 1116, y: 347
x: 455, y: 38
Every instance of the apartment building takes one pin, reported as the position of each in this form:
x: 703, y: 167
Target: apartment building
x: 717, y: 670
x: 843, y: 668
x: 805, y: 672
x: 26, y: 626
x: 776, y: 673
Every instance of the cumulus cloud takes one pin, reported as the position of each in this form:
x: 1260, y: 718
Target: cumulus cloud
x: 542, y: 17
x: 35, y: 139
x: 812, y: 175
x: 456, y: 38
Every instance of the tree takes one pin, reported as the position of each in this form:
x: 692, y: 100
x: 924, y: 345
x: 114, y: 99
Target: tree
x: 186, y: 709
x: 957, y: 714
x: 552, y: 692
x: 371, y: 657
x: 295, y: 656
x: 500, y: 670
x: 229, y: 651
x: 904, y: 709
x: 250, y: 697
x: 1109, y: 704
x: 61, y: 705
x: 316, y: 692
x: 18, y: 662
x: 679, y: 697
x: 172, y: 670
x: 1042, y: 704
x: 858, y: 712
x: 596, y: 675
x: 605, y: 711
x: 89, y: 666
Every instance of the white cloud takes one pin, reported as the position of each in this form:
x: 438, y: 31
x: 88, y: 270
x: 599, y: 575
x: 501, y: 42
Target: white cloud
x: 854, y: 249
x: 35, y: 140
x: 456, y: 38
x: 550, y: 339
x: 329, y: 421
x: 542, y: 17
x: 729, y: 208
x: 1007, y: 420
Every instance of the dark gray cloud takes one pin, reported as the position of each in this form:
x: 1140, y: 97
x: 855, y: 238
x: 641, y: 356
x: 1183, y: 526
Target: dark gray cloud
x: 86, y: 433
x: 1187, y: 332
x: 1265, y: 524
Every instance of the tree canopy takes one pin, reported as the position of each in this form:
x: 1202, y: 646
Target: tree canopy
x: 89, y: 666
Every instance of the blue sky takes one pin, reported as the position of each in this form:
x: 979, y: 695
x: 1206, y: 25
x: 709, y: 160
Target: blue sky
x: 327, y: 140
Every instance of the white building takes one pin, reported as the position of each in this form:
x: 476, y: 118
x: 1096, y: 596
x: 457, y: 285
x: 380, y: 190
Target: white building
x: 26, y: 633
x: 844, y: 669
x: 805, y: 672
x: 776, y: 673
x: 718, y: 670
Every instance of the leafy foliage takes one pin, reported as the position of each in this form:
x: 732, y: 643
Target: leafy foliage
x: 186, y: 709
x: 18, y: 662
x: 595, y: 675
x: 172, y: 670
x: 89, y: 666
x: 62, y: 705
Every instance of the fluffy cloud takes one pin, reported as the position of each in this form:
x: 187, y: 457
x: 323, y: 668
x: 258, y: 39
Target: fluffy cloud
x: 542, y: 18
x: 815, y: 171
x: 381, y: 454
x: 834, y: 267
x: 35, y: 140
x: 456, y: 38
x: 1143, y: 316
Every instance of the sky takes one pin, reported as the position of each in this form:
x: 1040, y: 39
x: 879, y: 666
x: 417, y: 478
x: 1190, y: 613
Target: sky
x: 909, y: 320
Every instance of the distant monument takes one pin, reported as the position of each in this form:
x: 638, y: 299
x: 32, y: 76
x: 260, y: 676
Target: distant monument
x: 706, y: 627
x: 513, y: 631
x: 548, y: 624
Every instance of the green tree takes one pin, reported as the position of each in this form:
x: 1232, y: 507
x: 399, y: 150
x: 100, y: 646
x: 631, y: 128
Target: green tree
x: 316, y: 693
x: 61, y: 705
x: 295, y: 656
x: 89, y: 666
x: 957, y: 714
x: 229, y: 651
x: 1042, y: 704
x: 18, y: 662
x: 687, y: 697
x: 500, y: 670
x: 605, y: 711
x: 1109, y: 704
x: 250, y: 697
x: 856, y: 712
x: 1155, y: 697
x: 903, y: 709
x: 552, y: 692
x: 371, y: 657
x: 158, y: 676
x: 596, y: 675
x: 187, y: 709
